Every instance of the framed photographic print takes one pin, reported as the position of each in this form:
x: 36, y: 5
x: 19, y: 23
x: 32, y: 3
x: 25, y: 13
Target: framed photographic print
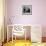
x: 27, y: 10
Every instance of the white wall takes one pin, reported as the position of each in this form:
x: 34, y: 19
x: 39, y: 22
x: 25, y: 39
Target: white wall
x: 38, y: 12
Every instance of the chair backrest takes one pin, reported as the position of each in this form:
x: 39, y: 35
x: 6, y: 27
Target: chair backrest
x: 18, y: 30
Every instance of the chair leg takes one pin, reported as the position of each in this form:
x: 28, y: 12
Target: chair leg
x: 25, y: 36
x: 12, y: 37
x: 15, y: 38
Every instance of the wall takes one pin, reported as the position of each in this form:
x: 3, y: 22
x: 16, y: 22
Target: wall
x: 38, y: 16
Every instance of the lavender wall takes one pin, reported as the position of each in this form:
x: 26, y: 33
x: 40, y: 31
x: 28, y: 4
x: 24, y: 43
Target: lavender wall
x: 14, y: 12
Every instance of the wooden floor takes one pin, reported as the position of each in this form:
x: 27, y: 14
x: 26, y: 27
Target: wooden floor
x: 18, y: 43
x: 23, y: 43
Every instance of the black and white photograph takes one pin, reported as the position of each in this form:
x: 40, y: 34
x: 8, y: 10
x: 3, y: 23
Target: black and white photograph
x: 27, y: 10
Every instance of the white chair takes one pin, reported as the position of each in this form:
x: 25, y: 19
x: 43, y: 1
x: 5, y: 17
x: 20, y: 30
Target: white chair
x: 17, y: 31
